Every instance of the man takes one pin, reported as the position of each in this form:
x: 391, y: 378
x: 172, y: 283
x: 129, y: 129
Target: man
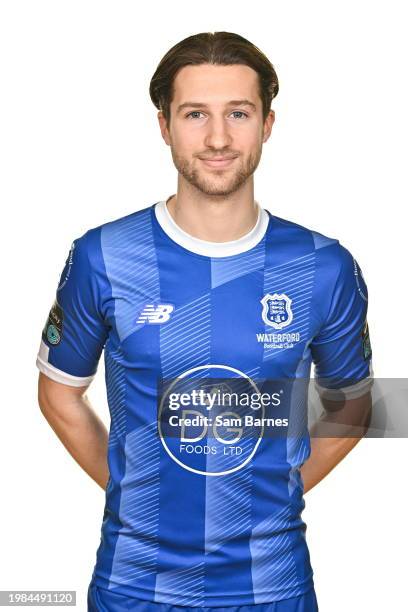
x: 201, y: 294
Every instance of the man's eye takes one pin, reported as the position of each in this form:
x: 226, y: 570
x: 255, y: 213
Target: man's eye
x: 193, y: 113
x: 239, y: 113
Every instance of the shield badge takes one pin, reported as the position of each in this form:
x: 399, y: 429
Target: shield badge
x: 277, y: 310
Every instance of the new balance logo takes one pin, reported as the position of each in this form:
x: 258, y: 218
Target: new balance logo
x: 155, y: 314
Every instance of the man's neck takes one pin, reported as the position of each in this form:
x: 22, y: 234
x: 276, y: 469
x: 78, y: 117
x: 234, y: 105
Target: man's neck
x: 211, y: 220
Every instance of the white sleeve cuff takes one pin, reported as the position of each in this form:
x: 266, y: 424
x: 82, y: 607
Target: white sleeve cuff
x: 350, y: 392
x: 56, y: 374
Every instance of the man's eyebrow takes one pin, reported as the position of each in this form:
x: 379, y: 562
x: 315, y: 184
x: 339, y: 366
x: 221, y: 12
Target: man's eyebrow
x: 203, y: 105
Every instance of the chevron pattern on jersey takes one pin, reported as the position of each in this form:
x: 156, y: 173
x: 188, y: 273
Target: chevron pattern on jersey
x: 321, y: 241
x: 228, y: 507
x: 273, y: 564
x: 182, y: 587
x: 224, y: 270
x: 136, y: 557
x: 185, y: 339
x: 116, y: 393
x: 131, y: 265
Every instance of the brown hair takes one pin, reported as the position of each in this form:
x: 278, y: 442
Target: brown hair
x: 218, y: 48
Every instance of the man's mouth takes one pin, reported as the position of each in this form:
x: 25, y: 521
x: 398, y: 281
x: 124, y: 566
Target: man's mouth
x: 218, y: 161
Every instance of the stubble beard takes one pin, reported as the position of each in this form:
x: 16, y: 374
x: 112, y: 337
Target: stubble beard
x: 225, y: 182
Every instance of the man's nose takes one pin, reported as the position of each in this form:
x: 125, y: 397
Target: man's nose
x: 218, y: 135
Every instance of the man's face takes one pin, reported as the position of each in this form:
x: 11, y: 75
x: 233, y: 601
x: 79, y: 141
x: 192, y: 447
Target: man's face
x: 216, y: 112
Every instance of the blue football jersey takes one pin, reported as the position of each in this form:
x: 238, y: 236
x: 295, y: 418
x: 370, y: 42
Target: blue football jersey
x: 204, y: 500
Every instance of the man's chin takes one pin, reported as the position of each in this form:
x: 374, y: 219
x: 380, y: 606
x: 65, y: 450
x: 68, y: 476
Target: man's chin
x: 213, y: 183
x: 219, y: 185
x: 217, y: 190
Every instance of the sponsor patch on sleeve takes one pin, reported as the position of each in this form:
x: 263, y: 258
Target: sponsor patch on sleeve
x: 52, y: 332
x: 365, y: 337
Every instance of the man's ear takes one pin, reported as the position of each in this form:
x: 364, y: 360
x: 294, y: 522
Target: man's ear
x: 269, y: 121
x: 163, y: 127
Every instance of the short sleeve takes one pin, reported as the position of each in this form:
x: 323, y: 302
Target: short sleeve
x: 74, y: 333
x: 341, y: 350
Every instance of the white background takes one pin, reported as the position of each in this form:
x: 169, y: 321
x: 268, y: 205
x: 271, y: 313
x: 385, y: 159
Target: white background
x: 80, y: 145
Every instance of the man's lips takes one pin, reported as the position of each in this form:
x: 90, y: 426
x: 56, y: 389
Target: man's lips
x: 218, y: 162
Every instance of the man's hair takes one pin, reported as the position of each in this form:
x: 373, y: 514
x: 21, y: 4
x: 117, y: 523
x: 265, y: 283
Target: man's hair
x: 217, y: 48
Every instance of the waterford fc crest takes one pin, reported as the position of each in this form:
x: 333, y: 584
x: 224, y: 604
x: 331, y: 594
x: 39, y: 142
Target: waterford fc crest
x: 277, y: 310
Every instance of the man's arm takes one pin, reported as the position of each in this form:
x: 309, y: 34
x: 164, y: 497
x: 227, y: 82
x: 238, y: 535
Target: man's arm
x: 346, y: 422
x: 70, y: 414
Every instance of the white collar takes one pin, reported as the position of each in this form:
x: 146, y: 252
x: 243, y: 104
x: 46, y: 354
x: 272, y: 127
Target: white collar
x: 206, y: 247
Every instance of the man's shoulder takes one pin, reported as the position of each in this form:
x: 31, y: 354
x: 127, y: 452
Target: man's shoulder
x: 116, y: 236
x: 120, y: 231
x: 307, y: 250
x: 125, y: 222
x: 294, y: 230
x: 302, y: 241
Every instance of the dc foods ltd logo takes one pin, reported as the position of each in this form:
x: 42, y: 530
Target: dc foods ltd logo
x: 211, y: 419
